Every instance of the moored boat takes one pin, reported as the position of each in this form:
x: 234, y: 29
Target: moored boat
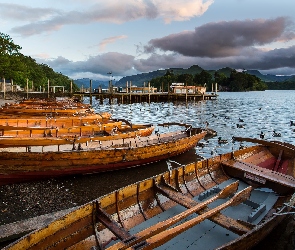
x: 49, y: 121
x: 20, y: 164
x: 37, y: 136
x: 230, y: 201
x: 35, y: 107
x: 108, y: 127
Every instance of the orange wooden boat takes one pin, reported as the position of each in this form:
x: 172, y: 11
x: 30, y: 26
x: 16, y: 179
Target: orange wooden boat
x: 26, y: 136
x: 62, y: 121
x: 230, y: 201
x: 20, y: 164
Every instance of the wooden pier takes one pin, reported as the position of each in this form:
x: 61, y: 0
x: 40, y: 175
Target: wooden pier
x: 125, y: 98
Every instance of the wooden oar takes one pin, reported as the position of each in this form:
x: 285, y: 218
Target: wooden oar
x: 163, y: 225
x: 165, y: 236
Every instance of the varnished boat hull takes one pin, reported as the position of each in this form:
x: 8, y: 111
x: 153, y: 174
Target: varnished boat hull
x: 44, y: 136
x: 43, y: 121
x: 131, y: 216
x: 20, y: 166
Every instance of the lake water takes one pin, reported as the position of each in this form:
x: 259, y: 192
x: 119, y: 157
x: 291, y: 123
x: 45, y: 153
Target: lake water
x: 261, y: 111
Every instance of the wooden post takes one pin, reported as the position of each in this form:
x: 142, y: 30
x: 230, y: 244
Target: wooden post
x: 48, y: 88
x: 216, y: 88
x: 90, y: 92
x: 71, y: 87
x: 27, y: 88
x: 149, y: 92
x: 130, y: 93
x: 168, y: 96
x: 186, y: 92
x: 4, y: 88
x: 12, y: 86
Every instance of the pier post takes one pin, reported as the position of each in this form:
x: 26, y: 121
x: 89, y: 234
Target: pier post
x: 130, y: 93
x: 4, y: 88
x: 47, y: 88
x: 90, y: 92
x: 149, y: 92
x: 186, y: 92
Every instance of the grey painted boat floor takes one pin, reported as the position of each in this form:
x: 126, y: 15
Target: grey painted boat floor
x: 207, y: 234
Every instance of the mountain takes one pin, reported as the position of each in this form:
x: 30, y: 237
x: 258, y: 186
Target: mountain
x: 85, y: 82
x: 139, y: 79
x: 268, y: 77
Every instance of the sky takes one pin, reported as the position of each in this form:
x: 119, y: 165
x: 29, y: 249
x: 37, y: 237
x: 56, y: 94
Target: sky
x: 90, y: 38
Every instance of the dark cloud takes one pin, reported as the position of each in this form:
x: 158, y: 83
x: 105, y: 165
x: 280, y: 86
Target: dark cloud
x: 276, y: 59
x: 223, y: 39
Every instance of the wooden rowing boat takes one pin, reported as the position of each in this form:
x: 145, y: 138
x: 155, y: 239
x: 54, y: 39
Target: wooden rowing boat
x: 38, y: 110
x: 230, y: 201
x: 109, y: 126
x: 64, y: 102
x: 38, y: 136
x: 62, y: 121
x: 20, y: 164
x: 46, y: 107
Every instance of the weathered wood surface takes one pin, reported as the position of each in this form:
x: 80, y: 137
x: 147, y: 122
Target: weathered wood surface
x: 111, y: 218
x: 94, y: 156
x: 37, y: 107
x: 44, y: 137
x: 18, y: 229
x: 51, y: 121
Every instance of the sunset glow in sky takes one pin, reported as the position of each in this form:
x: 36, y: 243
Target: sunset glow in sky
x: 89, y: 38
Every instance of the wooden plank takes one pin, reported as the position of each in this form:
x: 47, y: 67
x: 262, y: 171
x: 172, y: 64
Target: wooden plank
x: 163, y: 225
x: 264, y: 173
x: 163, y: 237
x: 231, y: 224
x: 112, y: 225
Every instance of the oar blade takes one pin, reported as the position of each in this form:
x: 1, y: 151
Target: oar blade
x: 241, y: 196
x: 228, y: 190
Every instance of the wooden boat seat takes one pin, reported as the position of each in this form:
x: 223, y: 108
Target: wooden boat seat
x: 263, y: 173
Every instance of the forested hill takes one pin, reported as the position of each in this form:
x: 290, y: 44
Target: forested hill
x: 20, y: 68
x: 139, y: 79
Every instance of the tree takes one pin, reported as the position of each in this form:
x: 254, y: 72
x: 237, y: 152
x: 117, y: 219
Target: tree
x: 16, y: 66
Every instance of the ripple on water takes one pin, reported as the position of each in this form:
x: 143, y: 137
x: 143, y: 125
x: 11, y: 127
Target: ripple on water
x: 260, y: 111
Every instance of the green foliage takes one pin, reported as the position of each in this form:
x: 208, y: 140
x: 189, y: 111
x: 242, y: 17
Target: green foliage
x: 236, y: 81
x: 285, y: 85
x: 20, y: 68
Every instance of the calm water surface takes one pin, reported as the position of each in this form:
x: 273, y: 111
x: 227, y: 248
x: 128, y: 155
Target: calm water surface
x: 264, y: 111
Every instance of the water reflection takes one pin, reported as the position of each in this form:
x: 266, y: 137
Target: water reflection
x: 265, y: 112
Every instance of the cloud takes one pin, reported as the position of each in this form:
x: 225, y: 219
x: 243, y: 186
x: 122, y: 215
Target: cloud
x: 23, y: 13
x: 106, y: 11
x: 275, y: 60
x: 120, y: 64
x: 223, y: 39
x: 109, y: 40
